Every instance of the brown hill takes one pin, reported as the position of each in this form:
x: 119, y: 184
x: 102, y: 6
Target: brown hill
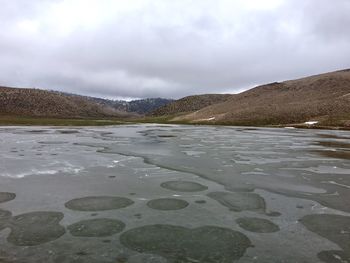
x: 324, y: 98
x: 42, y: 103
x: 189, y: 104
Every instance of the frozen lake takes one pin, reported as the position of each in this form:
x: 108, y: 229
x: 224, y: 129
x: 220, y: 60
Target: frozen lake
x: 172, y: 193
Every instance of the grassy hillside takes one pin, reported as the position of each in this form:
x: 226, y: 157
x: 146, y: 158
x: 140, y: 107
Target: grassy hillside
x: 42, y: 103
x: 189, y: 104
x: 324, y: 98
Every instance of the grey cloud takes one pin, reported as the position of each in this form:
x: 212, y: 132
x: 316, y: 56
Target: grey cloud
x: 167, y: 48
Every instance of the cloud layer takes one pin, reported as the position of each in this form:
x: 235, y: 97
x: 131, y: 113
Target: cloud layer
x: 152, y: 48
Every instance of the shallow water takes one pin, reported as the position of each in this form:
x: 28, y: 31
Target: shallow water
x: 172, y: 193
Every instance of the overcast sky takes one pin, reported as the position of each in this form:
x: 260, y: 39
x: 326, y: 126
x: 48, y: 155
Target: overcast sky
x: 167, y: 48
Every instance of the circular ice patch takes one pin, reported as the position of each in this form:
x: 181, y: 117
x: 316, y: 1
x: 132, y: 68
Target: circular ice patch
x: 257, y: 225
x: 35, y: 228
x: 98, y: 203
x: 180, y: 244
x: 167, y: 204
x: 99, y: 227
x: 5, y: 196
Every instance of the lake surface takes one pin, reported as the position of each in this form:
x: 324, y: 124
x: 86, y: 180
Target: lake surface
x: 172, y: 193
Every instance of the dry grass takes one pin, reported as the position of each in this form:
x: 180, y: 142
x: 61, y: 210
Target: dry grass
x: 324, y: 98
x: 42, y: 103
x: 189, y: 104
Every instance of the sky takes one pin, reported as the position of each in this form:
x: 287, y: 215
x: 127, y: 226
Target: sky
x: 166, y: 48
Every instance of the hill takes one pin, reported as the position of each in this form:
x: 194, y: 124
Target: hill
x: 324, y: 98
x: 189, y: 104
x: 42, y: 103
x: 320, y: 100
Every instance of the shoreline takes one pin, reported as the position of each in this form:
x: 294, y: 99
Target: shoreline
x: 75, y: 122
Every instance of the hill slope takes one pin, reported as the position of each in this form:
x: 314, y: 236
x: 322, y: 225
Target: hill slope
x: 324, y: 98
x: 190, y: 103
x: 42, y: 103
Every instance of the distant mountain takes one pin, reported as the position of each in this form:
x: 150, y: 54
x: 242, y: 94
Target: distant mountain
x: 189, y: 104
x: 43, y: 103
x: 142, y: 106
x: 322, y: 98
x: 146, y: 106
